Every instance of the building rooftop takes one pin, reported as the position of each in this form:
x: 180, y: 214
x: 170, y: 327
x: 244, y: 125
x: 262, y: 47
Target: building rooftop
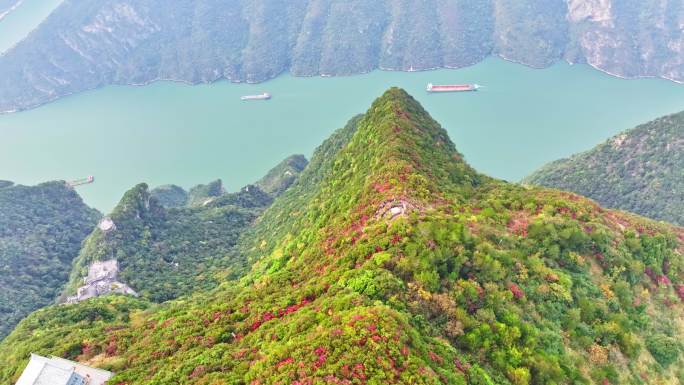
x: 58, y: 371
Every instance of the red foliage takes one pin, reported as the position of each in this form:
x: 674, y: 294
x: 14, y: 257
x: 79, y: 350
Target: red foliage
x: 403, y: 114
x: 395, y: 239
x: 435, y: 358
x: 199, y: 371
x: 111, y: 348
x: 651, y: 274
x: 431, y: 244
x: 519, y: 225
x: 664, y: 280
x: 87, y: 348
x: 284, y: 362
x: 680, y: 292
x: 321, y: 352
x: 381, y: 188
x: 208, y: 341
x: 517, y: 292
x: 359, y: 372
x: 460, y: 366
x: 269, y: 316
x: 255, y: 325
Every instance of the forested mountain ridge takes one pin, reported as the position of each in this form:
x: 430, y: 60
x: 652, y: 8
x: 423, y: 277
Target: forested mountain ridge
x: 640, y: 170
x: 281, y: 177
x: 91, y: 43
x: 392, y: 261
x: 41, y: 229
x: 164, y: 253
x: 169, y: 242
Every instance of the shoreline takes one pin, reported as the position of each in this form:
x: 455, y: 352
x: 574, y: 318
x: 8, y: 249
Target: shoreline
x: 326, y: 75
x: 10, y: 9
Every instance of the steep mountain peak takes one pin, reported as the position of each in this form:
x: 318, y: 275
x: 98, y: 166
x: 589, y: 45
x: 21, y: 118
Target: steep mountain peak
x: 282, y: 176
x: 399, y: 150
x: 204, y: 193
x: 137, y: 204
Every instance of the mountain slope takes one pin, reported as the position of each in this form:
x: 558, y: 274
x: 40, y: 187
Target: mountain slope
x: 165, y: 253
x: 170, y: 243
x: 640, y: 170
x: 91, y: 43
x: 391, y: 260
x: 7, y: 6
x: 41, y: 229
x: 282, y: 176
x: 170, y: 196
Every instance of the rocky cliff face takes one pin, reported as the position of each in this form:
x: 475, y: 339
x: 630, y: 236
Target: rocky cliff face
x: 629, y: 38
x: 88, y: 44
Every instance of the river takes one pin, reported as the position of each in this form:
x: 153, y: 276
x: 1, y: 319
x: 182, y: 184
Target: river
x: 175, y: 133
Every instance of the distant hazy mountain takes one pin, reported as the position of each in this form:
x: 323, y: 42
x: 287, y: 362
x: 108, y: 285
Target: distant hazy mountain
x: 6, y: 6
x: 86, y: 44
x: 640, y: 170
x: 41, y: 229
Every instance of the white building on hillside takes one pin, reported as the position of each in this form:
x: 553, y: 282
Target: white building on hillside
x: 58, y: 371
x: 102, y: 279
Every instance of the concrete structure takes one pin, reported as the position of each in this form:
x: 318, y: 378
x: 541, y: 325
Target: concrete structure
x: 102, y: 279
x: 58, y: 371
x: 106, y: 224
x: 394, y: 208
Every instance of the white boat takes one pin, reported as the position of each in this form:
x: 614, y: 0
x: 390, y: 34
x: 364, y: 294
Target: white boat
x: 264, y: 96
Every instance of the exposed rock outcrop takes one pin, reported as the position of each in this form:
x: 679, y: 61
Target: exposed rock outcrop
x: 102, y: 280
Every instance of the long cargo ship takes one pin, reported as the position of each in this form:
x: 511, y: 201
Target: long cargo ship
x: 452, y: 88
x: 264, y: 96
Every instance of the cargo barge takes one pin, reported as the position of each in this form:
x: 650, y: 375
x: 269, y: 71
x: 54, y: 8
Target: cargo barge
x: 452, y: 88
x: 264, y: 96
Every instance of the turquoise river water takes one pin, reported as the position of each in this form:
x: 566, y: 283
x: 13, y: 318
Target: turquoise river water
x: 174, y: 133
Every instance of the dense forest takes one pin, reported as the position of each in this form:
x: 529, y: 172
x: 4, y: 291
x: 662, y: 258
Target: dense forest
x: 91, y: 43
x: 41, y: 229
x: 170, y: 242
x: 640, y: 170
x: 390, y: 260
